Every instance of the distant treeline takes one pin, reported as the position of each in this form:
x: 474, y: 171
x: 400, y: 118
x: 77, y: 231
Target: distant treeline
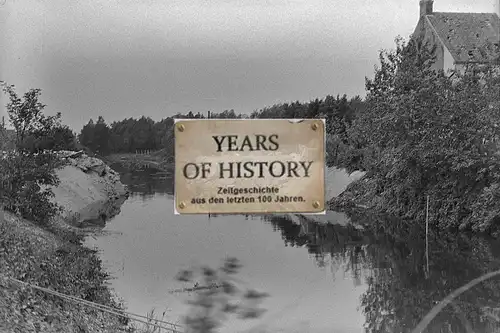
x: 133, y: 134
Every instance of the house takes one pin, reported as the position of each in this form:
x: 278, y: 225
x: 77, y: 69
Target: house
x: 461, y: 39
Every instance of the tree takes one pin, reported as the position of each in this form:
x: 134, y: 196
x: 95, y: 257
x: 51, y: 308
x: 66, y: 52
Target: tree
x: 101, y: 136
x: 60, y: 138
x: 431, y: 134
x: 86, y: 136
x: 27, y: 117
x: 26, y: 175
x: 97, y: 136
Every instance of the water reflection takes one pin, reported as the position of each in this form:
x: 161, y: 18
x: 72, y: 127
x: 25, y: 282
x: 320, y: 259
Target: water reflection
x: 400, y: 293
x: 146, y: 183
x: 388, y: 259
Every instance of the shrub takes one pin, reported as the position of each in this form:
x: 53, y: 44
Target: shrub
x: 26, y: 173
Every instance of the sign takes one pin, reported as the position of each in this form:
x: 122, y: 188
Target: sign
x: 249, y: 166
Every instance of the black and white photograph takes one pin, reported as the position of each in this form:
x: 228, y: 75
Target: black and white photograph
x: 249, y: 166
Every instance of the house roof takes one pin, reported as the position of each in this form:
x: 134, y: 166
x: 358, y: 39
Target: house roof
x: 470, y: 37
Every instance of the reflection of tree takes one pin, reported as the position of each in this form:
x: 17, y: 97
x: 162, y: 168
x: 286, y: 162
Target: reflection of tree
x: 336, y: 245
x: 399, y: 295
x: 148, y: 182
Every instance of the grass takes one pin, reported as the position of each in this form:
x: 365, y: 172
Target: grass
x: 56, y: 261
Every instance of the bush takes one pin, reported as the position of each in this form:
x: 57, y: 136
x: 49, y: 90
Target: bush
x: 24, y: 190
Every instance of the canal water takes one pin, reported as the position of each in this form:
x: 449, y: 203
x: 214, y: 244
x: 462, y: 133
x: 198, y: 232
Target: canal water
x: 320, y: 277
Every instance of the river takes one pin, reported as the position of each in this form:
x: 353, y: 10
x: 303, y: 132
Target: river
x: 320, y: 277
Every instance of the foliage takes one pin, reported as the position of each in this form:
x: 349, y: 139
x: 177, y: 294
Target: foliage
x: 23, y: 192
x: 7, y: 139
x: 96, y: 136
x: 430, y: 135
x: 35, y: 131
x: 37, y: 258
x: 400, y: 291
x: 27, y: 172
x: 61, y: 137
x: 222, y: 298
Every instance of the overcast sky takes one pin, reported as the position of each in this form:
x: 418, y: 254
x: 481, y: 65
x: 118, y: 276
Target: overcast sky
x: 127, y: 58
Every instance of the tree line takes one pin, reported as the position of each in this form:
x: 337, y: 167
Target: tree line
x: 132, y: 134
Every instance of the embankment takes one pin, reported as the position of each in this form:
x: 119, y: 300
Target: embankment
x: 336, y: 182
x: 54, y: 258
x: 89, y: 190
x: 442, y: 205
x: 360, y: 193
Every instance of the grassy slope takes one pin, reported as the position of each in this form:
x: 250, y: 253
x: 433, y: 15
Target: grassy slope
x: 50, y: 259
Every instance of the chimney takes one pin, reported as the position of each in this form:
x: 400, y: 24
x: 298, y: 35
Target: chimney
x: 426, y: 7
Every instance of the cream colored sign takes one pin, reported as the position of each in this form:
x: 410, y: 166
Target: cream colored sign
x: 249, y: 166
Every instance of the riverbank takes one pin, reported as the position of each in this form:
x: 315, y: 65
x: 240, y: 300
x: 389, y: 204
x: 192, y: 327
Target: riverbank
x: 358, y: 194
x: 53, y: 257
x: 89, y: 190
x: 477, y: 213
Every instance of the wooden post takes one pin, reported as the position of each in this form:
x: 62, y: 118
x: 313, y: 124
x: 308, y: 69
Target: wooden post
x: 427, y: 237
